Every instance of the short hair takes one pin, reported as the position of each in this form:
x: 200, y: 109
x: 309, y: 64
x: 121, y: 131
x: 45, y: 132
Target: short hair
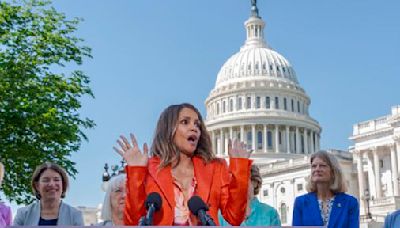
x: 113, y: 183
x: 40, y: 170
x: 163, y: 142
x: 2, y: 171
x: 256, y: 177
x: 337, y: 182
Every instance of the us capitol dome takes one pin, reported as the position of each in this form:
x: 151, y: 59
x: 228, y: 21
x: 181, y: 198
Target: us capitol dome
x: 258, y: 100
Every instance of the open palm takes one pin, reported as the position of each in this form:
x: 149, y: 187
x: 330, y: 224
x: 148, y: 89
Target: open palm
x: 131, y: 152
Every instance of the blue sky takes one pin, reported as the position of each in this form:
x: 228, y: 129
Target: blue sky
x: 150, y: 54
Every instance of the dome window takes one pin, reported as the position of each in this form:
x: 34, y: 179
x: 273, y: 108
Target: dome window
x: 223, y: 107
x: 264, y: 66
x: 269, y: 139
x: 276, y: 102
x: 258, y: 102
x: 267, y: 103
x: 239, y: 106
x: 218, y: 109
x: 285, y: 103
x: 256, y: 66
x: 270, y: 67
x: 249, y: 67
x: 292, y: 105
x: 277, y: 68
x: 259, y: 140
x: 283, y: 69
x: 248, y: 103
x: 230, y: 105
x: 298, y: 106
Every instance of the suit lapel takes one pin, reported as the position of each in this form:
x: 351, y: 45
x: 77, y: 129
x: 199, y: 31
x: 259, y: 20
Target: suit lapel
x: 163, y: 179
x: 337, y: 209
x: 313, y: 206
x: 204, y: 175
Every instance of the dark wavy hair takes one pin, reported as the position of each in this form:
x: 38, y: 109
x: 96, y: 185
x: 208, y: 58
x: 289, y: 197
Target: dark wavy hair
x: 163, y: 145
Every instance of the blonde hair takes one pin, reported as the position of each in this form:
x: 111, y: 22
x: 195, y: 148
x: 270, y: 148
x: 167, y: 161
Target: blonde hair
x: 2, y: 171
x: 114, y: 182
x: 163, y: 145
x: 337, y: 183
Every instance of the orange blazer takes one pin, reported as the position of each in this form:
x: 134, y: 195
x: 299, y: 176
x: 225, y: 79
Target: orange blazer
x: 221, y: 188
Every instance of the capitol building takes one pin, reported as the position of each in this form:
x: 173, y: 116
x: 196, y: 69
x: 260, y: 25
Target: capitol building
x: 257, y: 99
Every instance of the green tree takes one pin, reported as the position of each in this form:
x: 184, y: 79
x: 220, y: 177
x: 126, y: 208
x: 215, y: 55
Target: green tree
x: 39, y: 104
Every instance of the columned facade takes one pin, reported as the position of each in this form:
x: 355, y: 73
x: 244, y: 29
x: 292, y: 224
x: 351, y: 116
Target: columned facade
x: 376, y: 153
x: 265, y: 138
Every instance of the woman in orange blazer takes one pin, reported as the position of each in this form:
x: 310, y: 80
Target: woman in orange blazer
x: 181, y: 165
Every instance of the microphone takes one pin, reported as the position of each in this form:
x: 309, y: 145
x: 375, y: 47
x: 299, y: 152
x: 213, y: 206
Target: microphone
x: 153, y: 203
x: 199, y: 208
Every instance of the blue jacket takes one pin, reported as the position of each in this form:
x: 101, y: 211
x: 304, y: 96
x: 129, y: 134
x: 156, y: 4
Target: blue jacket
x: 392, y: 220
x: 345, y: 212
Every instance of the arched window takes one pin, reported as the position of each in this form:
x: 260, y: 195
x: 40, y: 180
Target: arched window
x: 230, y: 105
x: 267, y: 103
x: 259, y: 140
x: 283, y: 210
x: 239, y: 106
x: 285, y: 103
x: 269, y: 139
x: 249, y: 141
x: 223, y: 106
x: 258, y: 102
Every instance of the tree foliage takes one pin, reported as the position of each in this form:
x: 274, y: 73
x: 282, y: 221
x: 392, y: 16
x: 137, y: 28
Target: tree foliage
x: 39, y: 118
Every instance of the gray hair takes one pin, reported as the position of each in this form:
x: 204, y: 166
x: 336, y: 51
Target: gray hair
x: 114, y: 182
x: 337, y: 183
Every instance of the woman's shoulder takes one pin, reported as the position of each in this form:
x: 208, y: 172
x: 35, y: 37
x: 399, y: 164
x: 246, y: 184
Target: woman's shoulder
x: 30, y: 207
x: 347, y: 197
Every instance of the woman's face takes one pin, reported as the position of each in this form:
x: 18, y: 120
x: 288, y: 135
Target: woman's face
x: 118, y: 199
x: 50, y: 185
x: 320, y: 171
x: 187, y: 132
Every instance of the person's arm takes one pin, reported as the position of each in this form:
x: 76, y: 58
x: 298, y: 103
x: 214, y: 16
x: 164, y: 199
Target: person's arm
x: 297, y: 213
x: 234, y: 189
x: 354, y: 213
x: 136, y: 173
x: 8, y: 216
x: 135, y: 194
x: 19, y: 218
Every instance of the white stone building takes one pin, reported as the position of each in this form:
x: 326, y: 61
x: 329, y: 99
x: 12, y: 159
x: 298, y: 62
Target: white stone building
x: 258, y: 99
x: 376, y: 152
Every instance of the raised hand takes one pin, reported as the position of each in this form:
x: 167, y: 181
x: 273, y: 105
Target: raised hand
x: 131, y: 153
x: 238, y: 149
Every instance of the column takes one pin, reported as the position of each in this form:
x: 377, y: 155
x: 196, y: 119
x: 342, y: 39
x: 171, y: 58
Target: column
x: 397, y: 145
x: 242, y: 133
x: 312, y: 142
x: 305, y: 140
x: 287, y: 139
x: 297, y: 141
x: 360, y: 174
x: 253, y: 137
x: 222, y: 143
x: 377, y: 172
x: 231, y: 134
x: 213, y: 143
x: 276, y: 138
x: 265, y: 145
x: 395, y: 176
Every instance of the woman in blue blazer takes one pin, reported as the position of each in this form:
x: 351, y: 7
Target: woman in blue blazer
x: 326, y: 204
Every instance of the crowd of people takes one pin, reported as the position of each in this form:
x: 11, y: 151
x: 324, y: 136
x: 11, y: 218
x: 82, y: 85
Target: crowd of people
x: 180, y: 165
